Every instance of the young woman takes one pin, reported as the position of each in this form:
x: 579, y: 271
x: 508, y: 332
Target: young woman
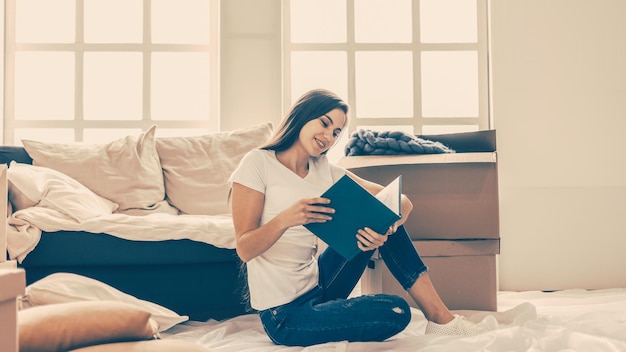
x: 302, y: 298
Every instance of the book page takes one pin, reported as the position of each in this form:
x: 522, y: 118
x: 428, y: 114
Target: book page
x: 391, y: 195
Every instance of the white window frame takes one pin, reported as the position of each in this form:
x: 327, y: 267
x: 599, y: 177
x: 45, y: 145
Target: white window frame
x: 78, y: 124
x: 417, y: 121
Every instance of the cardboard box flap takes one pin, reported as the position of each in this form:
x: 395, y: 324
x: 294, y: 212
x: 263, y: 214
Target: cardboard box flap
x: 446, y: 248
x: 350, y: 162
x: 13, y: 283
x: 467, y: 142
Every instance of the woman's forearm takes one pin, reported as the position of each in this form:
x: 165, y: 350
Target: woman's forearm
x: 256, y: 241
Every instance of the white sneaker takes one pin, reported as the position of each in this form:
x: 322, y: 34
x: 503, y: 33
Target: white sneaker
x: 461, y: 326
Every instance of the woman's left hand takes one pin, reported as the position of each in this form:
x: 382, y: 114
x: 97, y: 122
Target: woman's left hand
x: 392, y: 229
x: 369, y: 239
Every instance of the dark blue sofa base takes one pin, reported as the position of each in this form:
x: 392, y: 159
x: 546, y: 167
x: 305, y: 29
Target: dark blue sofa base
x: 190, y: 278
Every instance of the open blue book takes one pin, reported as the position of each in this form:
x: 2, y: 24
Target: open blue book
x: 356, y: 208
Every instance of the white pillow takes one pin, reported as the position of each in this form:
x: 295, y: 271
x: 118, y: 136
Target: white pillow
x: 67, y: 287
x: 196, y: 169
x: 126, y: 171
x: 35, y: 185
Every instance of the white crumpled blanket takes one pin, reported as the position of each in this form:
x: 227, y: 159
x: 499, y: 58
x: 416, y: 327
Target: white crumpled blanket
x: 569, y: 320
x: 25, y: 226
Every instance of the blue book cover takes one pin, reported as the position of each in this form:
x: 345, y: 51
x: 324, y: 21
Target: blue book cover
x: 356, y: 208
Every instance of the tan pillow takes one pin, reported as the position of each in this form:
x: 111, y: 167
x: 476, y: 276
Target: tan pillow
x: 146, y: 346
x: 196, y: 169
x: 126, y: 171
x: 66, y: 326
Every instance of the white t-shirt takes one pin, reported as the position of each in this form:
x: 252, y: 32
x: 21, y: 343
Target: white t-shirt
x: 289, y: 268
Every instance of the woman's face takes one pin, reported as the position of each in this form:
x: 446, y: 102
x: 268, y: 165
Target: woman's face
x: 318, y: 135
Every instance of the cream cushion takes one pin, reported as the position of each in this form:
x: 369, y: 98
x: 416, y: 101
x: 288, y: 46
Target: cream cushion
x: 30, y: 185
x: 196, y: 169
x: 125, y: 171
x: 67, y: 326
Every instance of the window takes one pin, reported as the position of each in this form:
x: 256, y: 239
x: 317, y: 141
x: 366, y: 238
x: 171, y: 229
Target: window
x: 97, y: 70
x: 417, y: 66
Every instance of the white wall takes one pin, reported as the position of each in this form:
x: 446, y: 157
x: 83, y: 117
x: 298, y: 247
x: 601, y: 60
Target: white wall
x: 251, y: 76
x: 559, y: 105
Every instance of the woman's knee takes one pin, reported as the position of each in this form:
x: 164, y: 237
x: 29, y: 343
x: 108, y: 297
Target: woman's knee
x: 399, y: 314
x: 400, y: 310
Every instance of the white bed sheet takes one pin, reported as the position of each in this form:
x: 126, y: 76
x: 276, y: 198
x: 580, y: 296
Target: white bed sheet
x: 569, y: 320
x: 25, y: 226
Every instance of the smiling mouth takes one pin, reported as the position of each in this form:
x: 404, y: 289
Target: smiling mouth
x: 320, y: 143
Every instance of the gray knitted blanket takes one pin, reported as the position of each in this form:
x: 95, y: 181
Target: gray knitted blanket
x: 367, y: 142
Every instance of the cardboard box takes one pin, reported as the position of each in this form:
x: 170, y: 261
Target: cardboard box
x: 454, y: 196
x: 455, y: 219
x: 462, y: 271
x: 12, y: 284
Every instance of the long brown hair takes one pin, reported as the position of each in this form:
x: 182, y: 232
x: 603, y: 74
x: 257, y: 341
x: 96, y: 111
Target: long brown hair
x: 309, y: 106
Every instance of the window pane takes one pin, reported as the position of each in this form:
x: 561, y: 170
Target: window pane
x: 113, y: 21
x: 450, y: 84
x: 180, y: 21
x: 319, y: 69
x: 318, y: 21
x: 180, y: 86
x: 383, y: 21
x: 49, y: 135
x: 448, y: 21
x: 384, y: 83
x: 443, y: 129
x: 112, y: 86
x: 44, y: 86
x: 45, y: 21
x: 105, y: 135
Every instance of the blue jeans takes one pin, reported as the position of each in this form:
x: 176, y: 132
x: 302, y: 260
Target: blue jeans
x: 325, y: 314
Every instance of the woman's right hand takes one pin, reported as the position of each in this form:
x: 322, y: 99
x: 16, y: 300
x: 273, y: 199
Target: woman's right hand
x: 307, y: 211
x: 254, y: 239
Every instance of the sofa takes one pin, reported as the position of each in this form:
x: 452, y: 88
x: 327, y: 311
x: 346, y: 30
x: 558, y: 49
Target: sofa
x: 168, y: 236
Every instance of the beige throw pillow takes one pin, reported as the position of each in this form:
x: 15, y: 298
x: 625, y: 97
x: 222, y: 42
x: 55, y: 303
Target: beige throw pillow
x: 125, y: 171
x: 67, y: 326
x: 196, y: 169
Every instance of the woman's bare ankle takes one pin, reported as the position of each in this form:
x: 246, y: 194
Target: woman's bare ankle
x: 424, y: 294
x: 440, y: 317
